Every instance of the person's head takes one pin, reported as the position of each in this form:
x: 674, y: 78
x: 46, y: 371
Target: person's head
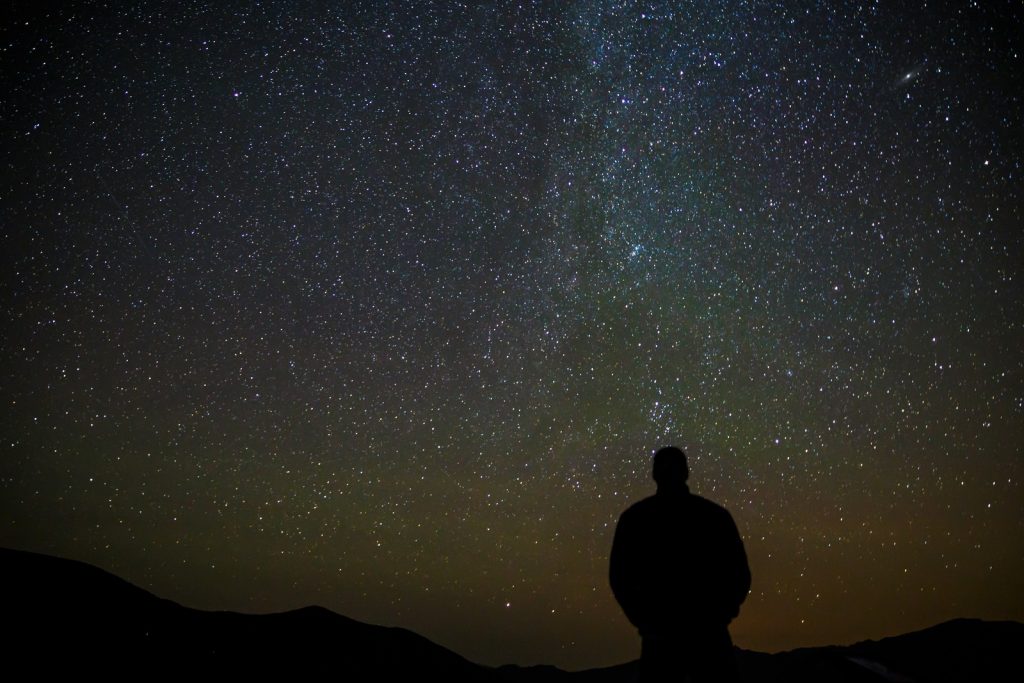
x: 670, y: 468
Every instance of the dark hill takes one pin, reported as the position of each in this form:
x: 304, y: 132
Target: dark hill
x: 63, y: 616
x: 962, y: 650
x: 67, y: 616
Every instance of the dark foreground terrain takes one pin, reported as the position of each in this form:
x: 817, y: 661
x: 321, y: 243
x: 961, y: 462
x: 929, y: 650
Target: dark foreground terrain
x: 62, y: 616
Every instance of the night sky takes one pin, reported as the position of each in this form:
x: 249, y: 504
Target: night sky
x: 385, y: 306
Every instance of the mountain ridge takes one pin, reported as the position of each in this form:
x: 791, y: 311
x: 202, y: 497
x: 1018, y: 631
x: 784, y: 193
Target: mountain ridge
x: 65, y: 615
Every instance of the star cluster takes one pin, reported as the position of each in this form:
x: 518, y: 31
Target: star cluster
x: 384, y: 306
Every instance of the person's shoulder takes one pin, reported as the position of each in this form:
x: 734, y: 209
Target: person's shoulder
x: 641, y: 507
x: 708, y: 507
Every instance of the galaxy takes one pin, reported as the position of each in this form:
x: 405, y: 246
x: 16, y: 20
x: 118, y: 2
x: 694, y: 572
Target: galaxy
x: 384, y: 306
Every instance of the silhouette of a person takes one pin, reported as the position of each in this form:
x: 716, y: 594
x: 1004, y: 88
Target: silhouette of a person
x: 680, y: 573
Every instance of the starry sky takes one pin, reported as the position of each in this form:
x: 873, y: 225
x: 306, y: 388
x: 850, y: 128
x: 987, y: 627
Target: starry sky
x: 384, y: 306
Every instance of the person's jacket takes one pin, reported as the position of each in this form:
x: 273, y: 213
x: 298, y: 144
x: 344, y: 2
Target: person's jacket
x: 677, y: 563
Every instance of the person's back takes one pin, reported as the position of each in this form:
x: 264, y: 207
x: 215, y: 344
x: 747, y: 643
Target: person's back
x: 679, y: 571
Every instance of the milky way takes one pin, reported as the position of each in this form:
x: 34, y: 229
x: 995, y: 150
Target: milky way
x: 384, y: 306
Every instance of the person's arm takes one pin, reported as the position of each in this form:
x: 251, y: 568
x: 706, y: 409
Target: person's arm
x: 620, y: 570
x: 740, y: 569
